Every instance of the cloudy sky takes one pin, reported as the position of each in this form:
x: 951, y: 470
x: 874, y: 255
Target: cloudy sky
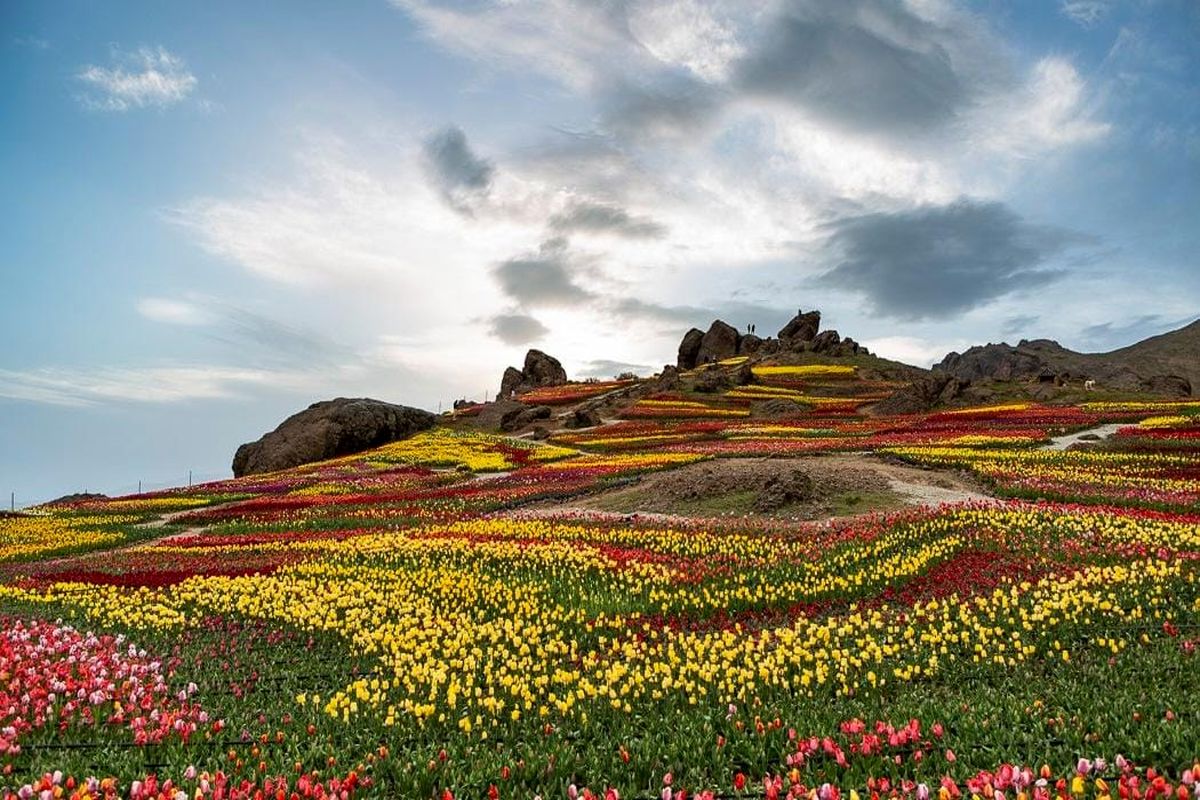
x: 215, y: 213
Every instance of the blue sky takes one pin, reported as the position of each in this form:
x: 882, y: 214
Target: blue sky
x: 217, y: 213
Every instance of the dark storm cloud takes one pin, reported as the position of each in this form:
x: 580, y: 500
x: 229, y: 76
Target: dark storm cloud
x: 516, y: 329
x: 458, y: 173
x: 870, y: 65
x: 589, y: 217
x: 542, y: 279
x: 937, y: 261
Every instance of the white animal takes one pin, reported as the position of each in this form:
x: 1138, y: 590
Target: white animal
x: 1089, y: 385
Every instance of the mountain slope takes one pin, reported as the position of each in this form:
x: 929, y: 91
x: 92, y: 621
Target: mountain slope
x: 1166, y: 364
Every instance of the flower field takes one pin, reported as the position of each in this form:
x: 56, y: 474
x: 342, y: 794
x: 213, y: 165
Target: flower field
x: 394, y: 624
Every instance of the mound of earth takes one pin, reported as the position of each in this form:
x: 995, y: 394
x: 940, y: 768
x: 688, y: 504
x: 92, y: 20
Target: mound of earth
x: 801, y: 488
x: 330, y: 429
x: 78, y: 497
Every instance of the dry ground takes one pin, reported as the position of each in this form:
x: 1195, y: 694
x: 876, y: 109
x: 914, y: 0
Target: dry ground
x: 820, y: 487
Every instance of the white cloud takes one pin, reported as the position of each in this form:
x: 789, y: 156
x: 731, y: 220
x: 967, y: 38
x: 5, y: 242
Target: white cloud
x: 86, y: 386
x: 1050, y: 110
x: 911, y: 349
x: 174, y: 312
x: 1086, y: 12
x: 151, y: 76
x: 701, y: 37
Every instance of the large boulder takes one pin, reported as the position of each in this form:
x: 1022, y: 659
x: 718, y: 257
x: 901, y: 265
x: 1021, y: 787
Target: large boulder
x: 719, y: 342
x: 802, y: 327
x: 513, y: 378
x: 543, y: 370
x: 583, y: 418
x: 689, y: 349
x: 540, y: 370
x: 749, y: 344
x: 523, y: 415
x: 826, y: 342
x: 329, y: 429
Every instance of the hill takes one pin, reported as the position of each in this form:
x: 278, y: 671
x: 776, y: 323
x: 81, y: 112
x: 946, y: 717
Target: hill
x: 1167, y: 364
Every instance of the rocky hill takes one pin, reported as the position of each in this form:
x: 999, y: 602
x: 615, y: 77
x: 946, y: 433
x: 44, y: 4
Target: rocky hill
x: 538, y: 400
x: 1168, y: 364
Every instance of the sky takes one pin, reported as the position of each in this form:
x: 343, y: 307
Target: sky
x: 214, y: 214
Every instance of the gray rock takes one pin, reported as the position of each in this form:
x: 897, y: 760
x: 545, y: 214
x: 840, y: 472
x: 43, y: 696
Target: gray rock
x: 329, y: 429
x: 749, y: 345
x: 711, y: 381
x: 543, y: 370
x: 583, y: 418
x: 512, y: 379
x: 937, y: 388
x: 540, y: 370
x: 518, y: 418
x: 668, y: 379
x: 802, y: 327
x: 826, y: 342
x: 689, y: 349
x: 720, y: 342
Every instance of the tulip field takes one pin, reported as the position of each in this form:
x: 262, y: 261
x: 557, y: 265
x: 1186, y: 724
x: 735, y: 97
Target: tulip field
x: 434, y: 619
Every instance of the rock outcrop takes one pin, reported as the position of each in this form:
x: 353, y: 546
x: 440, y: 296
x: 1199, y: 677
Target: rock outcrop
x: 543, y: 370
x: 801, y: 334
x: 719, y: 342
x: 583, y: 418
x: 521, y: 416
x: 539, y: 370
x: 749, y: 344
x: 329, y: 429
x: 922, y: 394
x: 801, y: 328
x: 825, y: 342
x: 999, y: 362
x: 689, y: 349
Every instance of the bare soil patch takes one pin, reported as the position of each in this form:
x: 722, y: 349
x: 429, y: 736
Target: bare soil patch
x: 817, y: 487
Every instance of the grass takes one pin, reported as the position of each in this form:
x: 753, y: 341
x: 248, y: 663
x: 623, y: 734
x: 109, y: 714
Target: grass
x: 862, y: 502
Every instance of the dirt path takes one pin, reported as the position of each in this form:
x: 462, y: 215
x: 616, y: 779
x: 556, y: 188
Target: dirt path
x: 924, y: 494
x: 1100, y: 431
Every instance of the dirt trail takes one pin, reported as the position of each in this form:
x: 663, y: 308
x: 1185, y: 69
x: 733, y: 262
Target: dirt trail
x: 925, y: 494
x: 1100, y: 431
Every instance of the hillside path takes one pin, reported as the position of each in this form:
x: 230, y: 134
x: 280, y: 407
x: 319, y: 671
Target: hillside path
x: 1066, y: 440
